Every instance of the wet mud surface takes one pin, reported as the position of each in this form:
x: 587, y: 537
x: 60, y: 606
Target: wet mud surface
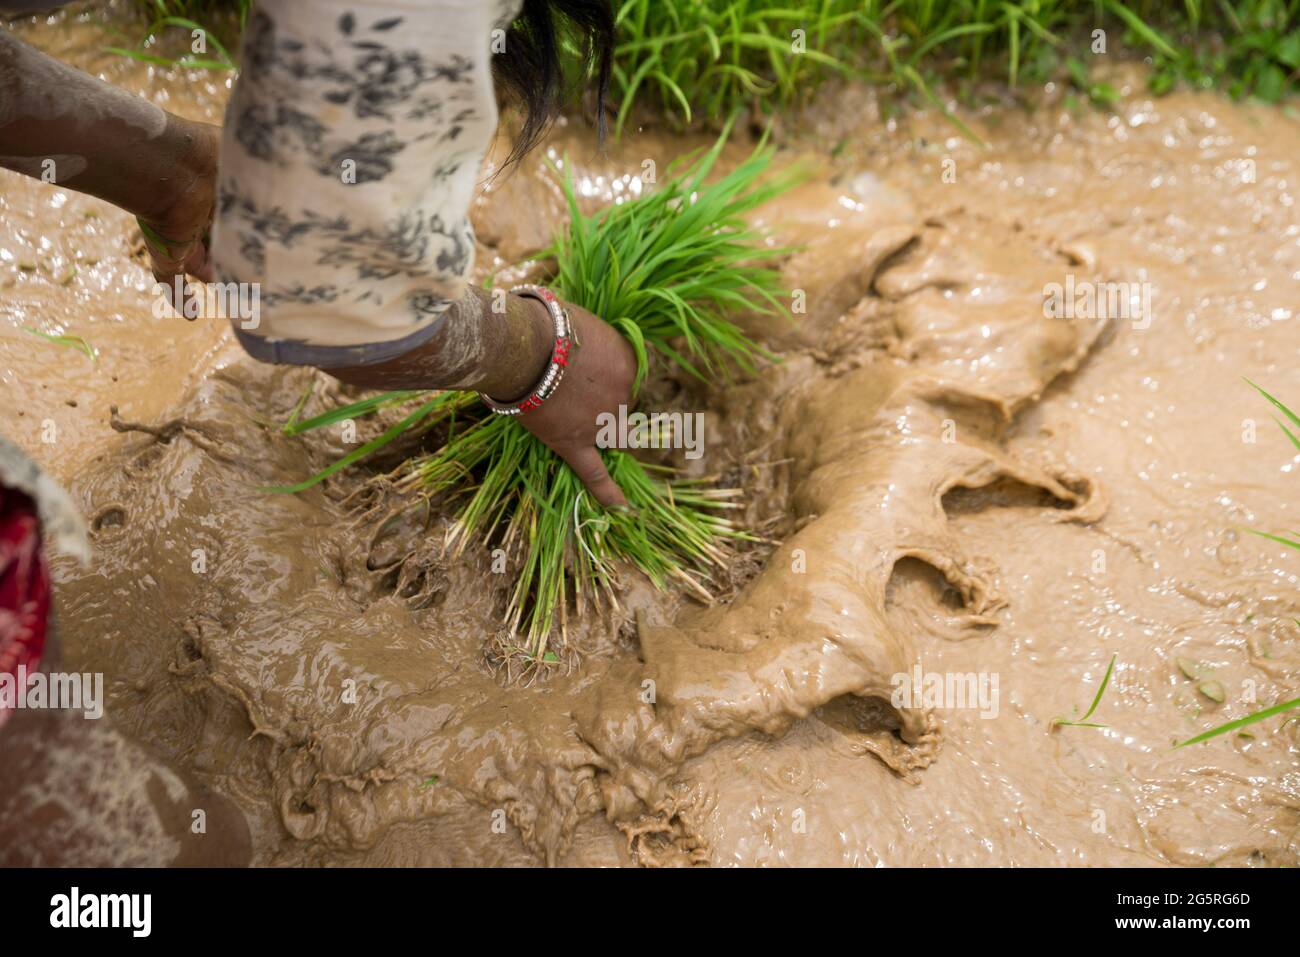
x: 952, y: 480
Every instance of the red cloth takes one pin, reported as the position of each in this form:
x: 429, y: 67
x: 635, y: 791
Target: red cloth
x: 24, y: 587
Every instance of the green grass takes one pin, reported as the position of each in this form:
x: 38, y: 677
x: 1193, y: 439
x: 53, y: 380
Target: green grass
x: 1255, y: 49
x: 194, y: 8
x: 1291, y: 416
x: 176, y: 20
x: 706, y: 59
x: 666, y: 269
x: 693, y: 59
x: 72, y: 342
x: 698, y: 61
x: 1250, y: 719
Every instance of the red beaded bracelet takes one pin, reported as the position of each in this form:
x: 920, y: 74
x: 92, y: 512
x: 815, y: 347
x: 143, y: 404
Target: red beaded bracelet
x: 550, y: 379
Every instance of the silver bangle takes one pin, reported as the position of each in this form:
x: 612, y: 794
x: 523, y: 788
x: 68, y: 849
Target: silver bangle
x: 554, y: 372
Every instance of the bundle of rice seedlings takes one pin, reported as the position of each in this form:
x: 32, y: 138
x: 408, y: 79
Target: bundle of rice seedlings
x: 665, y: 269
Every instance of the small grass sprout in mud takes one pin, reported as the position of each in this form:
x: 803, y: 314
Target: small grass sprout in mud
x: 1255, y: 718
x: 665, y: 270
x: 1294, y: 419
x: 1195, y: 672
x: 1083, y: 722
x: 72, y: 342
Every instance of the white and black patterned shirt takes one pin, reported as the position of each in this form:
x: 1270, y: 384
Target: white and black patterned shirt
x: 351, y: 149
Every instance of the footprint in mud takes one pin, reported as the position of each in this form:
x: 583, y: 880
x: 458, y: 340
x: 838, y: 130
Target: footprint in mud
x: 109, y: 520
x: 855, y: 715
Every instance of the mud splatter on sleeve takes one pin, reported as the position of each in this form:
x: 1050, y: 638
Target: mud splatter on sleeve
x: 351, y: 148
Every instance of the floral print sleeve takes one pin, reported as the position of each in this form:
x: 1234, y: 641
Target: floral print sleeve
x: 351, y: 149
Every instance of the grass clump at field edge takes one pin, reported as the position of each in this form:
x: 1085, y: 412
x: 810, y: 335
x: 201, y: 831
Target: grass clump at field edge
x: 694, y: 58
x: 701, y: 60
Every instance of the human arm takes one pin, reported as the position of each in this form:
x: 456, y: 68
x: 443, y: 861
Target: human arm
x: 350, y: 155
x: 67, y: 127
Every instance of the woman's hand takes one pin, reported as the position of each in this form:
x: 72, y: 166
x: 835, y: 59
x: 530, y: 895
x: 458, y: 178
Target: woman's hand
x: 106, y: 142
x: 598, y: 379
x: 503, y: 354
x: 177, y: 234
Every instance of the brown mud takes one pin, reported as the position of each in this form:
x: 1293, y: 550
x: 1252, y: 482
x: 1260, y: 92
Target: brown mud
x: 955, y: 480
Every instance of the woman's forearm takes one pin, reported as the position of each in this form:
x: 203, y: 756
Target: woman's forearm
x: 499, y: 351
x: 67, y: 127
x: 63, y: 125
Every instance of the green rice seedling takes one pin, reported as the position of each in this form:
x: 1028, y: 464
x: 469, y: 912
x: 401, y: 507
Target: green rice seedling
x: 74, y: 342
x: 666, y: 269
x: 1262, y: 715
x: 1295, y: 441
x: 374, y: 445
x: 1083, y: 722
x: 1291, y: 416
x: 153, y: 239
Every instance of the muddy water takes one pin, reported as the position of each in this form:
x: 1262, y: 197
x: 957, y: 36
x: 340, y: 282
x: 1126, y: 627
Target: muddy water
x: 958, y: 483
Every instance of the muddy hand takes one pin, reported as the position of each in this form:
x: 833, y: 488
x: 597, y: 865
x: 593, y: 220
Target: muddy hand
x: 598, y: 379
x: 177, y: 236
